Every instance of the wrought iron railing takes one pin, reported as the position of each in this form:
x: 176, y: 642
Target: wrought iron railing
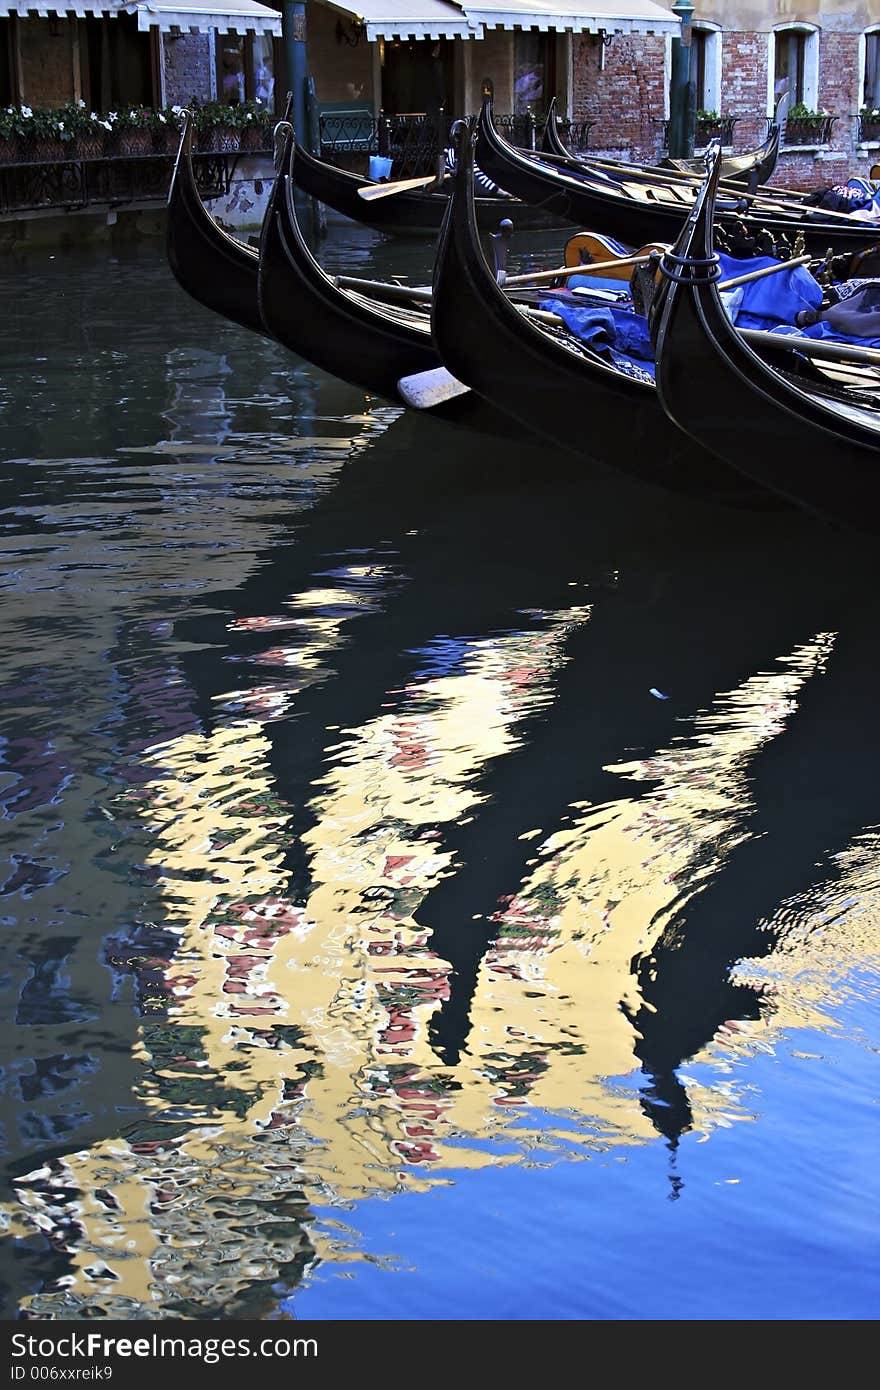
x: 575, y: 134
x: 811, y: 132
x: 867, y: 129
x: 704, y: 131
x: 413, y: 141
x: 109, y: 181
x: 721, y: 129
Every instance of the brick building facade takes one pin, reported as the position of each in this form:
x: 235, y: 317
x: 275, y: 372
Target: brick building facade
x: 827, y: 53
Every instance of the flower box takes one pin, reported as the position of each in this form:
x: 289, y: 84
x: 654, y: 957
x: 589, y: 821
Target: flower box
x: 805, y: 127
x: 708, y: 128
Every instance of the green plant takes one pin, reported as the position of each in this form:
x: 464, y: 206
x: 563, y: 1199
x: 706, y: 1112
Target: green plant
x: 211, y: 114
x: 76, y: 119
x: 708, y: 117
x: 251, y: 113
x: 129, y: 118
x: 14, y: 122
x: 870, y: 113
x: 799, y: 114
x: 166, y: 118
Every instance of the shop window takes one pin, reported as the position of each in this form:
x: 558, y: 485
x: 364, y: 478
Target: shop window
x: 7, y: 90
x: 118, y: 67
x: 534, y: 76
x: 246, y: 69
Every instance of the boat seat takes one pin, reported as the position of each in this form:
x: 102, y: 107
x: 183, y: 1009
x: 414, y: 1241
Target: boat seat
x: 668, y: 193
x: 657, y: 193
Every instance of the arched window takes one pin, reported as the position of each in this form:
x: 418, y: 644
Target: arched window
x: 793, y: 65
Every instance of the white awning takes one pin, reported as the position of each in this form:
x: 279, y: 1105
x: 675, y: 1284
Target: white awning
x: 580, y: 16
x: 381, y: 19
x: 202, y: 16
x: 409, y: 19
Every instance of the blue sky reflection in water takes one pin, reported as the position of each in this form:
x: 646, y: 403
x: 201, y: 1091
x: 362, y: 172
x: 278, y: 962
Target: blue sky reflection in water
x: 375, y: 944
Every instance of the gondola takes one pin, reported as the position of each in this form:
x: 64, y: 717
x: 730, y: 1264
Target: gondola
x: 371, y: 345
x: 352, y: 335
x: 815, y: 444
x: 548, y: 380
x: 636, y: 211
x: 751, y: 168
x: 213, y: 267
x: 413, y: 213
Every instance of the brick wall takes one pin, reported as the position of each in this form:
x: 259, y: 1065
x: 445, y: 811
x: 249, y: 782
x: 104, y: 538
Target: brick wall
x: 627, y: 98
x: 189, y: 67
x: 621, y: 86
x: 744, y: 58
x: 46, y: 62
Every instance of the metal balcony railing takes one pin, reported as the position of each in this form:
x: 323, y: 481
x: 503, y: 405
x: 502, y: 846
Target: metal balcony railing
x: 413, y: 140
x: 109, y: 181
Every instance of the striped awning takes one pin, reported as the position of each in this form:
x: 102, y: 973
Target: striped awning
x: 184, y: 16
x: 439, y: 19
x: 577, y: 16
x: 408, y: 19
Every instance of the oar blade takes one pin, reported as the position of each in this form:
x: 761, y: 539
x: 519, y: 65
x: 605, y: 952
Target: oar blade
x: 371, y: 191
x: 425, y: 390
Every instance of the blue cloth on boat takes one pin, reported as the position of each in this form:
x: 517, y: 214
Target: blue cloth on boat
x: 606, y: 327
x: 775, y: 298
x: 598, y: 282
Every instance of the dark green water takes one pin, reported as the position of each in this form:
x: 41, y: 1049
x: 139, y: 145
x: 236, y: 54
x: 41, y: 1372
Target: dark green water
x: 439, y: 879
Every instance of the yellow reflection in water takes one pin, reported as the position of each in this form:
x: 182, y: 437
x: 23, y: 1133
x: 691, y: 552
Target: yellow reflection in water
x: 291, y: 1065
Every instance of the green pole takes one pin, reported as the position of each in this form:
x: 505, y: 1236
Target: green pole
x: 681, y: 112
x: 293, y: 31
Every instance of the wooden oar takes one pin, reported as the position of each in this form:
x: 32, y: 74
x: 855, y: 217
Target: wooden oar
x: 536, y: 277
x: 597, y: 267
x: 654, y: 174
x: 422, y: 294
x: 765, y: 270
x: 773, y: 206
x: 811, y: 347
x: 373, y: 191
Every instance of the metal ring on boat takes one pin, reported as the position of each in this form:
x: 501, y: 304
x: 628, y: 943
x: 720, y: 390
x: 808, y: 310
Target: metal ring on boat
x: 709, y: 268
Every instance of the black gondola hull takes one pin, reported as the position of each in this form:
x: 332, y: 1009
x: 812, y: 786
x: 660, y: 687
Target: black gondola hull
x: 752, y: 165
x: 369, y: 344
x: 213, y: 267
x: 564, y: 393
x: 798, y: 437
x: 601, y: 203
x: 412, y: 213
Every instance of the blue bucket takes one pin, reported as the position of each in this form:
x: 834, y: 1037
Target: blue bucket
x: 380, y: 167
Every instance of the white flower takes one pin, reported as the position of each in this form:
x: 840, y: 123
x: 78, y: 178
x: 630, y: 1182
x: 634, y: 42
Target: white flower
x: 80, y: 103
x: 161, y: 117
x: 106, y: 125
x: 26, y: 111
x: 177, y: 110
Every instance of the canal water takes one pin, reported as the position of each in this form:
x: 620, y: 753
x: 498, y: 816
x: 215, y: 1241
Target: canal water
x: 439, y: 878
